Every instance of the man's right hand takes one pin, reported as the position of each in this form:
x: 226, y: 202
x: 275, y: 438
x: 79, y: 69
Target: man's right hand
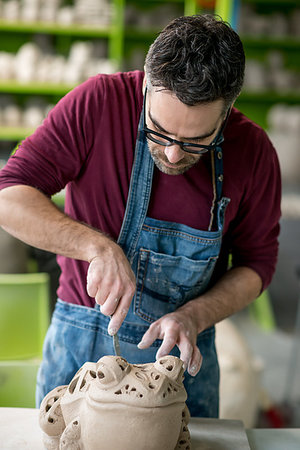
x: 111, y: 281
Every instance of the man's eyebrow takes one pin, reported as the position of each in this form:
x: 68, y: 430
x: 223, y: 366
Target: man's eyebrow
x: 194, y: 138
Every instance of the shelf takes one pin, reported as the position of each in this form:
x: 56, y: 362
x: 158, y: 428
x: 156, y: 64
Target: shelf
x: 273, y: 3
x: 270, y: 97
x: 14, y: 133
x: 138, y: 34
x: 287, y: 43
x: 56, y: 29
x: 35, y: 88
x: 159, y: 1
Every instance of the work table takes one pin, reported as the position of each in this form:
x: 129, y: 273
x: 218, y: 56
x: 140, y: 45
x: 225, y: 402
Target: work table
x: 19, y: 429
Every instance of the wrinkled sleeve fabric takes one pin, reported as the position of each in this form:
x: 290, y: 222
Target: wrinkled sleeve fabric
x: 55, y: 153
x: 255, y: 229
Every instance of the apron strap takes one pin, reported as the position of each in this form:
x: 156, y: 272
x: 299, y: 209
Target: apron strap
x: 139, y: 193
x: 217, y: 183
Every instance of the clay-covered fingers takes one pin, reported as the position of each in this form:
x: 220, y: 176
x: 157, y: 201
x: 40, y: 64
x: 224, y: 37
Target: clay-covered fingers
x: 120, y: 312
x: 186, y: 350
x: 195, y: 362
x: 175, y: 329
x: 170, y: 339
x: 153, y: 333
x: 189, y: 352
x: 111, y: 281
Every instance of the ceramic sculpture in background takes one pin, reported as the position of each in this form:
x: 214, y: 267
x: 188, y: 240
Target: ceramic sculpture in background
x: 114, y: 405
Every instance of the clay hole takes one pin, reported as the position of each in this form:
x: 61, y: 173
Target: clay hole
x: 50, y: 420
x: 73, y: 385
x: 169, y: 368
x: 55, y: 399
x: 127, y: 386
x: 75, y: 422
x: 82, y: 384
x: 141, y: 395
x: 162, y: 361
x: 175, y: 389
x: 100, y: 374
x: 182, y: 442
x: 151, y: 386
x: 118, y: 392
x: 169, y: 390
x: 93, y: 374
x: 184, y: 429
x: 48, y: 407
x: 155, y: 376
x: 133, y: 389
x: 121, y: 367
x: 164, y: 395
x: 183, y: 414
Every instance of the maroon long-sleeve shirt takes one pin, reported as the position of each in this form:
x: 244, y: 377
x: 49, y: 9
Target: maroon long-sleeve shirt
x: 87, y: 144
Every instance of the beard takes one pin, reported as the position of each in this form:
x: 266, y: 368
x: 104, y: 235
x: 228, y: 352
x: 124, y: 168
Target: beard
x: 160, y: 160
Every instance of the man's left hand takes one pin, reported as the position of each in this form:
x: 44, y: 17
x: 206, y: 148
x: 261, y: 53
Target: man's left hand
x: 177, y: 328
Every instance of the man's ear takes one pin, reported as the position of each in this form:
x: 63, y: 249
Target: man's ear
x: 144, y: 84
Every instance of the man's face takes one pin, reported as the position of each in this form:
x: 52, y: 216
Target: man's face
x: 199, y: 124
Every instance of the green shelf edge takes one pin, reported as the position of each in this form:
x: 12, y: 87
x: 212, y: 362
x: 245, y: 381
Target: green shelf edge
x: 270, y: 42
x: 273, y: 2
x: 13, y: 87
x: 270, y: 97
x: 54, y: 28
x: 138, y: 34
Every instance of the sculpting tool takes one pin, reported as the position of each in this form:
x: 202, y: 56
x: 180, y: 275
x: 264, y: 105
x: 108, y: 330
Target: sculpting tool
x: 116, y: 343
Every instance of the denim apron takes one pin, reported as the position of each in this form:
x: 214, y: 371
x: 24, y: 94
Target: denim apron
x: 173, y: 264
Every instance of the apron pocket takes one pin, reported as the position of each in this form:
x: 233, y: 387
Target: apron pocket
x: 166, y: 282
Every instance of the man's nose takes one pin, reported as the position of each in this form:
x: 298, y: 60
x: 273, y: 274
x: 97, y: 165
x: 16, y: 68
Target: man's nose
x: 174, y: 153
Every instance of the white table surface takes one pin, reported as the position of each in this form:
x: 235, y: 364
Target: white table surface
x: 19, y: 430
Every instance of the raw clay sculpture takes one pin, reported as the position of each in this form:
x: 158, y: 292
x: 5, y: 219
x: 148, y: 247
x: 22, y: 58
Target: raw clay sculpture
x: 114, y: 405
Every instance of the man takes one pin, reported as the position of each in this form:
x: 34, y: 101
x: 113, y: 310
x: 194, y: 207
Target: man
x: 155, y: 202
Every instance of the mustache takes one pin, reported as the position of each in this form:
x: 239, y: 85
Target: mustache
x: 186, y: 161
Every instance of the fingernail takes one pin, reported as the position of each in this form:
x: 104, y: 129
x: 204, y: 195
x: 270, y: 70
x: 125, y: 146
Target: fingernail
x: 112, y: 331
x: 193, y: 370
x: 141, y: 345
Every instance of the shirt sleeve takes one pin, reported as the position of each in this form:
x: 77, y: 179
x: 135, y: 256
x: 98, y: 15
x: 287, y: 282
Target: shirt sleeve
x: 56, y: 152
x: 255, y: 229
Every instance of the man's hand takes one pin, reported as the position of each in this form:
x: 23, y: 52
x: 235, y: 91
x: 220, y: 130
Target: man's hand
x: 111, y: 281
x: 177, y: 328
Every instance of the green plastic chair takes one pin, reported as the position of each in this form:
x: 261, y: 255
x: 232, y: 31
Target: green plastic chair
x: 17, y: 383
x: 24, y: 315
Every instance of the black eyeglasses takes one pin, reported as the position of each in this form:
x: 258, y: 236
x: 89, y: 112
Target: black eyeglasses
x: 197, y: 149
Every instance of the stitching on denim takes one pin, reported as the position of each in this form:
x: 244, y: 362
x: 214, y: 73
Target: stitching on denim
x: 189, y: 237
x: 208, y: 261
x: 80, y: 324
x: 140, y: 313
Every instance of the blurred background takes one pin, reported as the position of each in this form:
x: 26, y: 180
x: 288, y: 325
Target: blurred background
x: 49, y: 46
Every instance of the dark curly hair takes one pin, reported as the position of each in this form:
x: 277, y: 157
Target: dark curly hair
x: 200, y: 58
